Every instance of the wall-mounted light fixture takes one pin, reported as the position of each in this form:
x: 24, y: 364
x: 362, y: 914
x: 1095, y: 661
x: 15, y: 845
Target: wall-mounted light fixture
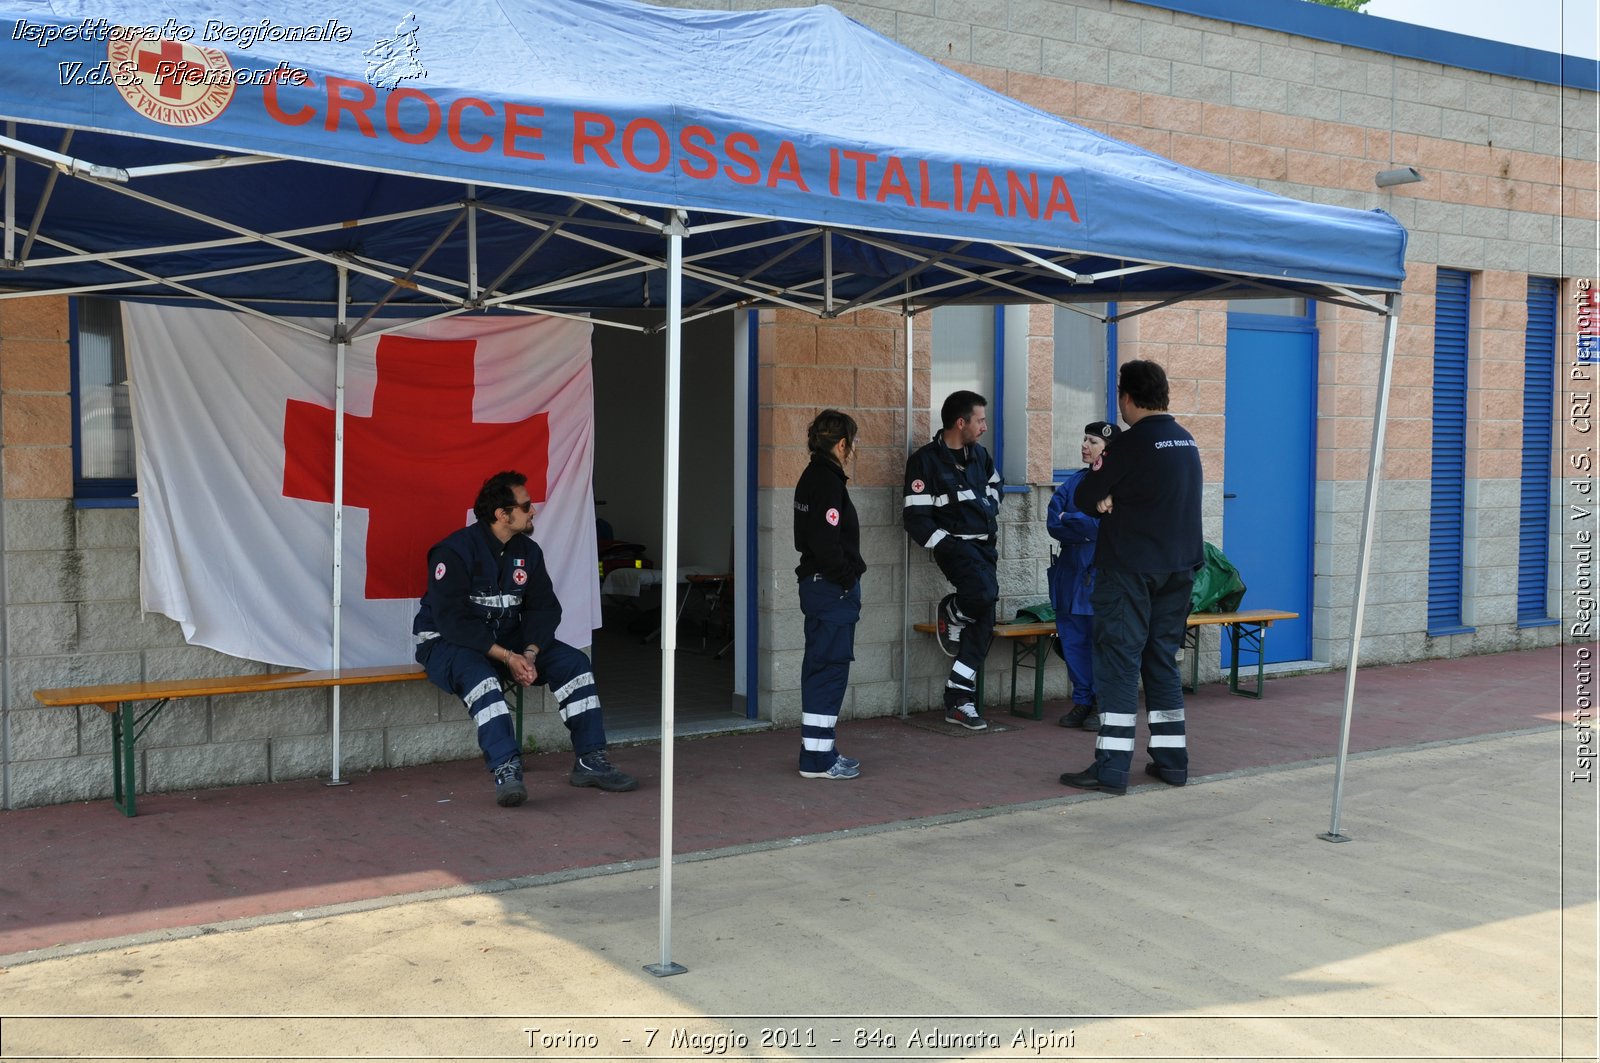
x: 1400, y: 175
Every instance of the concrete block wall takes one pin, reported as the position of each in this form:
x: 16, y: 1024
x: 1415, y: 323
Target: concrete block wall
x: 881, y: 659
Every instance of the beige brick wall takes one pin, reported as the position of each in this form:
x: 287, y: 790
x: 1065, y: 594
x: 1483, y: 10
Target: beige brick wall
x: 855, y: 363
x: 35, y: 407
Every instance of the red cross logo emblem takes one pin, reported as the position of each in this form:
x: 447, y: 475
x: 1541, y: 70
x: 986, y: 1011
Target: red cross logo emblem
x: 416, y: 464
x: 168, y: 81
x: 169, y: 67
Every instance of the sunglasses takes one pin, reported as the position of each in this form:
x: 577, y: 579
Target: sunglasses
x: 526, y: 507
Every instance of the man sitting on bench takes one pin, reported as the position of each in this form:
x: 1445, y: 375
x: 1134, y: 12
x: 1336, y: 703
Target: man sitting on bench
x: 489, y: 615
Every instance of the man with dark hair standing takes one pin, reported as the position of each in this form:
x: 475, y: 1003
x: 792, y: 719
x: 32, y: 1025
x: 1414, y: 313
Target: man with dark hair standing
x: 952, y: 502
x: 489, y: 616
x: 1146, y: 489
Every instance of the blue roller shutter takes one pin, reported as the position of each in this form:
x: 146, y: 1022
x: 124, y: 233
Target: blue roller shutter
x: 1448, y: 501
x: 1538, y: 420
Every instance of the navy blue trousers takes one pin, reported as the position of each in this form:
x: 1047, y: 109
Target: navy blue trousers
x: 477, y: 681
x: 1077, y: 649
x: 831, y: 613
x: 970, y: 568
x: 1138, y: 627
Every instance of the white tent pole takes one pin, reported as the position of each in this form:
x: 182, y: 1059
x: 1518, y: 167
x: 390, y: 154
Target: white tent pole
x: 11, y: 200
x: 472, y: 243
x: 342, y: 341
x: 669, y: 572
x: 905, y: 586
x: 1369, y: 519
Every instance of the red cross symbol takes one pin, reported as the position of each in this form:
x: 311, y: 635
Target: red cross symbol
x: 175, y: 70
x: 416, y: 464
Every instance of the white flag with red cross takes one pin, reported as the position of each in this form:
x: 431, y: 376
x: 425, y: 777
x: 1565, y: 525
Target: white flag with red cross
x: 234, y: 431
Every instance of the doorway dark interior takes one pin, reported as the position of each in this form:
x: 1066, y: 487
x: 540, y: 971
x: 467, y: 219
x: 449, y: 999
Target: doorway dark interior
x: 627, y: 668
x: 629, y: 390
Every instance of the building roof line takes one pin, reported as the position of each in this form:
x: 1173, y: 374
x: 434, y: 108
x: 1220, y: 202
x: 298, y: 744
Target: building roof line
x: 1389, y: 37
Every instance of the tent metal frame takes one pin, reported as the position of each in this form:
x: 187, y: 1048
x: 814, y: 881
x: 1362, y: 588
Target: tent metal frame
x: 966, y: 271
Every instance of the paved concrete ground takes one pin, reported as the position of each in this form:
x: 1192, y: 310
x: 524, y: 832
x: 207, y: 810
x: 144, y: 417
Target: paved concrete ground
x: 1207, y: 922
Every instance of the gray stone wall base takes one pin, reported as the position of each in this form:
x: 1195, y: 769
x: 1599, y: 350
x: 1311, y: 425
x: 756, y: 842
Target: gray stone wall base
x: 61, y: 779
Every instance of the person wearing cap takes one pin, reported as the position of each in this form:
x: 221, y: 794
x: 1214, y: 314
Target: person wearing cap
x: 1072, y: 579
x: 1146, y: 489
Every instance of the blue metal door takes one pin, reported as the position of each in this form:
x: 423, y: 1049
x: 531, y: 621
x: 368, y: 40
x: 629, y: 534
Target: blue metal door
x: 1269, y: 472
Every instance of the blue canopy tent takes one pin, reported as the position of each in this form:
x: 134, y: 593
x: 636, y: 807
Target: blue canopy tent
x: 357, y: 162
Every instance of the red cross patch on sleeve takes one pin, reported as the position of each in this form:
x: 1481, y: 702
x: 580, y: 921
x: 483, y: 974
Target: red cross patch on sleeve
x: 438, y: 570
x: 833, y: 517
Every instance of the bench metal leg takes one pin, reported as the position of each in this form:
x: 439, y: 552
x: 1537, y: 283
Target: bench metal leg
x: 1041, y: 654
x: 1014, y: 661
x: 1020, y: 649
x: 1191, y: 647
x: 122, y: 758
x: 1253, y: 636
x: 126, y: 726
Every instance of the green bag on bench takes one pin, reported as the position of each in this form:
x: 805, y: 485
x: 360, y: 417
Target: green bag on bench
x: 1042, y: 613
x: 1217, y: 586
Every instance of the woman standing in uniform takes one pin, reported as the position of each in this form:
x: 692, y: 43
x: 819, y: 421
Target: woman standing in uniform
x: 1072, y: 579
x: 828, y: 536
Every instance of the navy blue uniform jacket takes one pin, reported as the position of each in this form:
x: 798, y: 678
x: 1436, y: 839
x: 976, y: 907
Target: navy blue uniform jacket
x: 1152, y: 473
x: 944, y: 500
x: 827, y: 531
x: 481, y: 591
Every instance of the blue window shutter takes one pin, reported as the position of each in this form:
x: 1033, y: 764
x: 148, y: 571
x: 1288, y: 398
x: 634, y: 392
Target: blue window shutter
x: 1448, y: 501
x: 1538, y: 420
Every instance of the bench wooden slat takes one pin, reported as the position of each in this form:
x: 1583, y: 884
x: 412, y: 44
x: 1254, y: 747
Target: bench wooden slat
x: 121, y: 702
x: 1004, y: 631
x: 1245, y: 616
x: 1248, y: 625
x: 111, y: 695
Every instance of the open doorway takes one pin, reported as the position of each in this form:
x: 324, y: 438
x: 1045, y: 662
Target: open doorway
x: 629, y: 389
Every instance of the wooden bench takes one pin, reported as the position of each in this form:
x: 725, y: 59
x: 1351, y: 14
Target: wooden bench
x: 1031, y: 638
x: 1247, y: 627
x: 1032, y: 642
x: 128, y: 722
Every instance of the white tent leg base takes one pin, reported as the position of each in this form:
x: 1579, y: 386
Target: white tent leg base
x: 666, y: 970
x: 1330, y: 836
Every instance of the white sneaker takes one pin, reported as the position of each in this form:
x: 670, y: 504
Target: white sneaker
x: 966, y: 716
x: 950, y: 637
x: 948, y: 628
x: 839, y: 770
